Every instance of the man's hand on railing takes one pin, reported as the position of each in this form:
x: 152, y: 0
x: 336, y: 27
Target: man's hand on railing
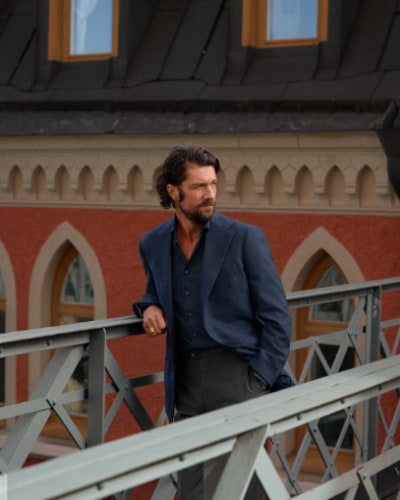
x: 154, y: 321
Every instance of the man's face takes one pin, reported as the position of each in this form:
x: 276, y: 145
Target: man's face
x: 197, y: 194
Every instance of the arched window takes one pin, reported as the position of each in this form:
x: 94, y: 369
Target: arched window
x: 318, y: 320
x: 72, y: 291
x: 72, y: 302
x: 333, y: 311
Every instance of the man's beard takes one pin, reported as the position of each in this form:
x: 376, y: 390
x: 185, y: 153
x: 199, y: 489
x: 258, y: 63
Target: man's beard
x: 198, y: 216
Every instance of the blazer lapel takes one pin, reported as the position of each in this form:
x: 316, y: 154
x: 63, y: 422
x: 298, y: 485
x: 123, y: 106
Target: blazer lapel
x: 217, y: 244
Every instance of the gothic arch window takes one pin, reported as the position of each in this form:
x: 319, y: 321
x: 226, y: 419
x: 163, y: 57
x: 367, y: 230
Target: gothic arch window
x: 245, y: 185
x: 72, y: 301
x: 86, y: 183
x: 52, y: 299
x: 274, y: 186
x: 135, y: 183
x: 38, y: 182
x: 15, y: 182
x: 335, y: 186
x: 316, y: 320
x: 62, y: 182
x: 110, y: 183
x: 366, y: 187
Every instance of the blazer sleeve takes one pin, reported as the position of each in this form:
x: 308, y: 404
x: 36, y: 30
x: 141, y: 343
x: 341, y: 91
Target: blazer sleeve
x: 150, y: 296
x: 270, y: 307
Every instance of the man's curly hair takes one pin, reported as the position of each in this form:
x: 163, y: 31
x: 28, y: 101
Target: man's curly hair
x: 174, y: 168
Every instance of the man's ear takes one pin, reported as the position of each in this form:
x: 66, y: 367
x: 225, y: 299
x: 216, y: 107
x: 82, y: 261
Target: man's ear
x: 172, y: 192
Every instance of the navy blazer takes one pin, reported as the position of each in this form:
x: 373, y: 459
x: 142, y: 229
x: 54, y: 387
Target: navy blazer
x: 244, y: 304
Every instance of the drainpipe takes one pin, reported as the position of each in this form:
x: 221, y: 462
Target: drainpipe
x: 389, y: 136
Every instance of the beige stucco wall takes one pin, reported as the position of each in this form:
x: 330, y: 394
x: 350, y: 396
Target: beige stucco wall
x: 344, y: 172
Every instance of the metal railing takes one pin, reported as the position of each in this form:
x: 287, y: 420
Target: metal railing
x: 353, y: 397
x: 238, y: 431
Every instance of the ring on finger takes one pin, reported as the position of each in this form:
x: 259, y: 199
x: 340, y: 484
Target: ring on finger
x: 152, y: 331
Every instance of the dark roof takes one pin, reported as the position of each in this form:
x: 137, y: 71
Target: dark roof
x: 182, y: 68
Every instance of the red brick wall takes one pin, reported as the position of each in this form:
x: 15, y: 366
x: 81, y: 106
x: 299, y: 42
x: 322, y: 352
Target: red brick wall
x: 374, y: 242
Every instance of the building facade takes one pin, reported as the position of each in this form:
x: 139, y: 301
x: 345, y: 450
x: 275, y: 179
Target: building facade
x: 304, y: 127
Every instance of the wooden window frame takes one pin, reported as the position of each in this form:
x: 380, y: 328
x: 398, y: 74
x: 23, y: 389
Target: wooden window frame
x: 59, y: 34
x: 67, y: 308
x: 254, y: 26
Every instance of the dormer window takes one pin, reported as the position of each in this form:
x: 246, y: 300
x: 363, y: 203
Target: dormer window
x: 83, y: 29
x: 279, y: 23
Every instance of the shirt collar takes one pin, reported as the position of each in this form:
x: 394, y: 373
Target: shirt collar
x: 205, y: 228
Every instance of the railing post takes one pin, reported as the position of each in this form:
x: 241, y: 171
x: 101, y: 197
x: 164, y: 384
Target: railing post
x: 373, y: 325
x: 96, y: 376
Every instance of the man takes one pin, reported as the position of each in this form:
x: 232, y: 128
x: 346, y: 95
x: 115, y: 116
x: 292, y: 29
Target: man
x: 213, y: 287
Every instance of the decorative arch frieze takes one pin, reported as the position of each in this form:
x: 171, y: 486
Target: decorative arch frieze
x: 100, y: 171
x: 366, y: 187
x: 335, y: 187
x: 304, y: 186
x: 134, y: 183
x: 38, y: 183
x: 15, y: 182
x: 86, y: 183
x: 62, y: 183
x: 273, y: 186
x: 245, y: 185
x: 110, y: 184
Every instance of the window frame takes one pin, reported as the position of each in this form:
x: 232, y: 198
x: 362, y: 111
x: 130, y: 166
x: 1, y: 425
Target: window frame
x: 254, y: 26
x: 59, y: 31
x: 67, y: 308
x: 307, y: 327
x: 53, y: 427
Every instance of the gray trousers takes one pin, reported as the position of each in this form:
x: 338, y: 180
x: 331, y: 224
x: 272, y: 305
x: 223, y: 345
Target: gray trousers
x: 207, y: 380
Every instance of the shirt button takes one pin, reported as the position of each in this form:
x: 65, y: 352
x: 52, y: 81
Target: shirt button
x: 186, y: 271
x: 186, y: 292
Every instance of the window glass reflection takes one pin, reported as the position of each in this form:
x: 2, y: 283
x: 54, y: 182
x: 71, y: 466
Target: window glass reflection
x: 332, y: 311
x: 91, y: 27
x: 292, y: 19
x: 77, y: 287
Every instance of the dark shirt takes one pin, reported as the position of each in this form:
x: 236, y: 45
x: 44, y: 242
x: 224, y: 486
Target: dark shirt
x: 186, y: 286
